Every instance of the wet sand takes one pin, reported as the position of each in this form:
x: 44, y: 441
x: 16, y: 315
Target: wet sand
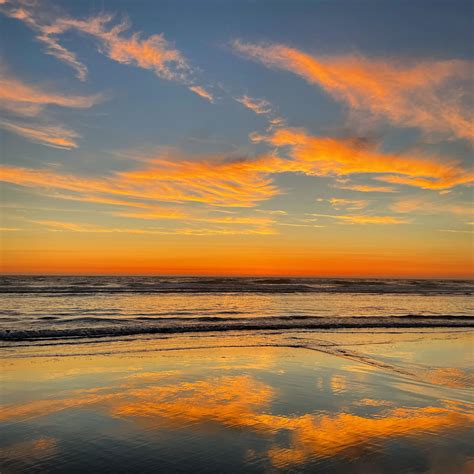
x: 326, y: 401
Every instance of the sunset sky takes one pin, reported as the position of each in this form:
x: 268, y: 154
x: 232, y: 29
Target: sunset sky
x: 312, y: 138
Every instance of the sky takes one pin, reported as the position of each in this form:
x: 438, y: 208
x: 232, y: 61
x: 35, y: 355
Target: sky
x: 251, y: 137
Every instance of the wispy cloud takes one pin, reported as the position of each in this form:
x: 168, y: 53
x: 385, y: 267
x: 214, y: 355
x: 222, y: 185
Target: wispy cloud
x: 430, y: 95
x: 456, y: 231
x: 318, y: 156
x: 54, y: 136
x: 29, y: 100
x: 154, y: 52
x: 227, y: 231
x: 365, y: 188
x: 200, y: 91
x: 32, y: 15
x: 62, y: 226
x: 365, y: 219
x: 259, y: 106
x: 197, y: 217
x: 427, y: 205
x: 25, y: 100
x: 113, y: 39
x: 349, y: 204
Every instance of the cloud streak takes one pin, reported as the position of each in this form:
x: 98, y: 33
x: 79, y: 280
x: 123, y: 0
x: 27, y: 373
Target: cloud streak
x: 29, y: 14
x: 425, y: 205
x: 54, y: 136
x: 29, y: 100
x: 26, y: 100
x: 365, y: 219
x: 154, y: 52
x: 259, y: 106
x: 62, y: 226
x: 200, y: 91
x: 318, y: 156
x: 366, y: 188
x: 350, y: 204
x: 434, y: 96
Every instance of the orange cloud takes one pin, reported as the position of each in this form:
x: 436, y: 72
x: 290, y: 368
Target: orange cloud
x: 200, y: 91
x: 419, y: 95
x: 424, y: 183
x: 366, y: 188
x: 98, y: 199
x: 424, y: 205
x: 55, y: 136
x: 195, y: 217
x: 275, y: 123
x: 259, y: 106
x: 91, y: 228
x: 24, y: 12
x: 329, y: 156
x: 26, y: 99
x: 361, y: 219
x: 198, y: 231
x: 350, y: 204
x: 154, y: 53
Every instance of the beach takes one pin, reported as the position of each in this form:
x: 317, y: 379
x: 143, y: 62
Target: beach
x: 377, y: 401
x: 237, y: 397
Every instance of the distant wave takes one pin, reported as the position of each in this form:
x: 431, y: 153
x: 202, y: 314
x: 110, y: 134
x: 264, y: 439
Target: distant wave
x: 72, y: 285
x: 181, y: 325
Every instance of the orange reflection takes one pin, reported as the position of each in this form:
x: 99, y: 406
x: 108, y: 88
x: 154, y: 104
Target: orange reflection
x: 346, y: 433
x: 233, y: 402
x: 35, y: 450
x: 239, y: 402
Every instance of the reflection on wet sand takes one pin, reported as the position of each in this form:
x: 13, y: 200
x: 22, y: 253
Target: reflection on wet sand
x: 451, y: 377
x: 235, y: 402
x: 349, y: 434
x: 241, y: 402
x: 38, y: 449
x: 257, y: 392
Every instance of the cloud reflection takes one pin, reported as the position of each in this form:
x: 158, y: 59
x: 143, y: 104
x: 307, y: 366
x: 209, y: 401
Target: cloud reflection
x: 243, y: 402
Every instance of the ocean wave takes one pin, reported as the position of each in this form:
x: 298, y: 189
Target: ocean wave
x: 199, y: 325
x: 70, y: 285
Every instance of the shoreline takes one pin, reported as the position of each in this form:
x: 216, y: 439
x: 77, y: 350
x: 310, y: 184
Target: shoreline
x: 205, y: 325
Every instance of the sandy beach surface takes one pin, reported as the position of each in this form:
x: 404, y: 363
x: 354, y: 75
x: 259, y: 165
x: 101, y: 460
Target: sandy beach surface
x: 368, y: 401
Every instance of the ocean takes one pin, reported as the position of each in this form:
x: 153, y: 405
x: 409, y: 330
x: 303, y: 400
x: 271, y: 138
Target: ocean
x: 38, y: 307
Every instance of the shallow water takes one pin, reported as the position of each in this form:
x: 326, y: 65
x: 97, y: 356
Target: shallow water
x: 333, y: 401
x: 45, y: 307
